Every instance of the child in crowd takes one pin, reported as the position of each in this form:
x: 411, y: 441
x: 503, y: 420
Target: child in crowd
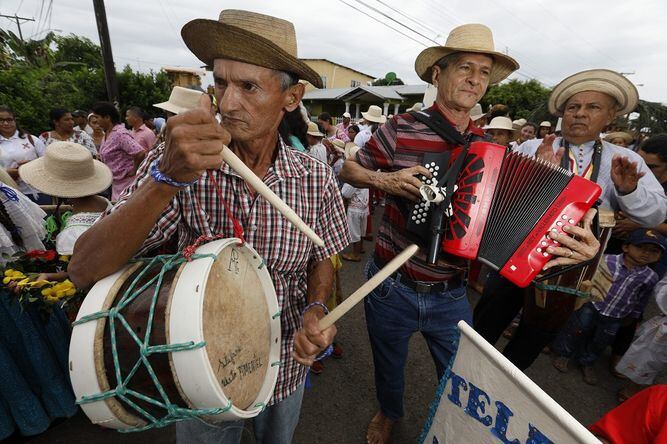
x: 594, y: 326
x: 357, y: 212
x: 647, y: 356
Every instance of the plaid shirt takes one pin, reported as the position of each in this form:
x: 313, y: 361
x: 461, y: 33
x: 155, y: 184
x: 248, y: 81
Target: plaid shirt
x: 307, y: 186
x: 401, y: 143
x: 629, y: 291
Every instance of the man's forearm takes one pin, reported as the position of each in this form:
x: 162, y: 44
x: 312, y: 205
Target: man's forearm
x: 358, y: 176
x: 106, y: 246
x: 320, y: 281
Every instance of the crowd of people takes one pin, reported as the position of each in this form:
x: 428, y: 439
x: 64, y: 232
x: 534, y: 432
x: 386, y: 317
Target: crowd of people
x: 163, y: 189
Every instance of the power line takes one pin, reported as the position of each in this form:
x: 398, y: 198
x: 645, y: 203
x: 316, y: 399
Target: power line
x: 382, y: 23
x: 396, y: 21
x: 417, y: 22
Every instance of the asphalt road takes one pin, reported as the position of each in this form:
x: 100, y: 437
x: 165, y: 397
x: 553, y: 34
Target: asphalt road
x: 340, y: 402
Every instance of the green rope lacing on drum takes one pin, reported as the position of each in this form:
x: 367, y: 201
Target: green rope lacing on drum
x: 174, y: 412
x: 572, y: 291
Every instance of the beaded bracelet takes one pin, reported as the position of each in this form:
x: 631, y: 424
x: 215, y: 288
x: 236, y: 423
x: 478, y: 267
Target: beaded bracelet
x: 316, y: 304
x: 160, y: 177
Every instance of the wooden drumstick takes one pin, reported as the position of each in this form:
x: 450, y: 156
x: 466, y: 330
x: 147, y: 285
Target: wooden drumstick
x: 369, y: 286
x: 259, y: 186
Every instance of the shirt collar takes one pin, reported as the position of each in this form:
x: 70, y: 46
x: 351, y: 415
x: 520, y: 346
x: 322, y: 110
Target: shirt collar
x: 471, y: 125
x: 14, y: 136
x: 286, y: 165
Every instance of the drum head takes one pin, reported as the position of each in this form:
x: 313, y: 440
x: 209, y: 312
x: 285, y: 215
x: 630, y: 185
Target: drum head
x: 237, y: 325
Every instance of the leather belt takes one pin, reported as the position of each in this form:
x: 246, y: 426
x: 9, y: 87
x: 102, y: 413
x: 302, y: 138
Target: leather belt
x: 426, y: 287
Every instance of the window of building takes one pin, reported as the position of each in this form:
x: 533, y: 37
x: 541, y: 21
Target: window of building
x: 324, y: 81
x: 355, y: 83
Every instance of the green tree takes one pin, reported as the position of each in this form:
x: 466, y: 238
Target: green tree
x: 39, y: 75
x: 525, y: 99
x: 385, y: 82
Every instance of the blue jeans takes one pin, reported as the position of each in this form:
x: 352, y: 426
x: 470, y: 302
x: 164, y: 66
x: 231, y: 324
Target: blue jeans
x: 587, y: 333
x: 275, y: 425
x: 393, y: 313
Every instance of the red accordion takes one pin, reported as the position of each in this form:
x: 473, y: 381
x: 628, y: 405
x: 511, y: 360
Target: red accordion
x: 504, y: 206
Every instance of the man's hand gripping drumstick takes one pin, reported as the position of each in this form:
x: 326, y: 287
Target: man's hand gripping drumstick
x: 319, y: 330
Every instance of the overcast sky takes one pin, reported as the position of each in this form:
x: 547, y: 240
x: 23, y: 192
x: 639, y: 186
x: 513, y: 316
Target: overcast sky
x: 550, y: 40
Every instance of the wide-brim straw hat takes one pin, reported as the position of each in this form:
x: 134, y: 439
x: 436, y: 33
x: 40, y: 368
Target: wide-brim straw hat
x: 7, y: 179
x: 627, y: 138
x: 374, y: 114
x: 314, y: 130
x: 67, y: 169
x: 501, y: 123
x: 476, y: 112
x: 351, y: 149
x: 475, y: 38
x: 604, y: 81
x: 339, y: 145
x: 181, y: 100
x: 248, y: 37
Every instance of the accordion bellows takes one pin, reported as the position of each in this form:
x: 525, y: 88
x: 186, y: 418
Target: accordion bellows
x: 504, y: 207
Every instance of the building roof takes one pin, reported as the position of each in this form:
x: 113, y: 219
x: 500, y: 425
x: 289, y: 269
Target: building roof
x: 338, y: 64
x: 197, y: 71
x: 395, y: 92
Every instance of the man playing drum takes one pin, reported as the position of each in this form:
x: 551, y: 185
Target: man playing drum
x: 184, y: 190
x: 588, y: 101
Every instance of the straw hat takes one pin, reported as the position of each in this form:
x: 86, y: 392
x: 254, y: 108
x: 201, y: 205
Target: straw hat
x: 417, y: 107
x: 374, y: 114
x: 7, y: 179
x: 314, y: 130
x: 180, y: 100
x: 601, y: 80
x: 501, y: 123
x: 545, y: 124
x: 467, y: 38
x: 476, y: 112
x: 67, y: 169
x: 519, y: 123
x: 339, y: 145
x: 248, y: 37
x: 347, y: 116
x: 627, y: 138
x: 351, y: 149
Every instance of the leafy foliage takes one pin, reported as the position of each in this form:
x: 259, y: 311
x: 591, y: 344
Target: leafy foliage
x: 65, y: 71
x: 524, y: 99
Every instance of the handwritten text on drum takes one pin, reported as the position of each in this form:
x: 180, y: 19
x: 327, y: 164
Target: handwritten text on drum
x: 476, y: 407
x: 240, y: 371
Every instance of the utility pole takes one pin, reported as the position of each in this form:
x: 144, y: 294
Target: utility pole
x: 18, y: 21
x: 107, y: 56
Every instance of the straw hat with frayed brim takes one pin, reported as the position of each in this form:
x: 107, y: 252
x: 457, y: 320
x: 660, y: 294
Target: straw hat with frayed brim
x: 67, y: 169
x: 374, y: 114
x: 339, y: 145
x: 601, y: 80
x: 475, y: 38
x: 627, y: 138
x: 314, y: 130
x: 248, y: 37
x: 500, y: 123
x: 350, y: 149
x: 180, y: 100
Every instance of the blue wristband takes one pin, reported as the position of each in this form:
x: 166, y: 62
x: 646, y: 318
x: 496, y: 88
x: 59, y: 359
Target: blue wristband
x: 160, y: 177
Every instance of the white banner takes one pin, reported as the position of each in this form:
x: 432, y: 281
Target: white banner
x: 486, y: 399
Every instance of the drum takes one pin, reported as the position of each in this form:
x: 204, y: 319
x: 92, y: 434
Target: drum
x: 550, y: 303
x: 166, y: 339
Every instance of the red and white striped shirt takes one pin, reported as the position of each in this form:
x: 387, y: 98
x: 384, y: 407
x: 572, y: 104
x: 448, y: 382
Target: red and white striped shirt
x: 307, y: 185
x: 402, y: 143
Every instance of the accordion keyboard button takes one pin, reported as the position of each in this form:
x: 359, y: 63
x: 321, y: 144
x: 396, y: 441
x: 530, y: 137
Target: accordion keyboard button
x: 559, y: 223
x: 539, y: 250
x: 545, y: 254
x: 571, y: 221
x: 564, y: 217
